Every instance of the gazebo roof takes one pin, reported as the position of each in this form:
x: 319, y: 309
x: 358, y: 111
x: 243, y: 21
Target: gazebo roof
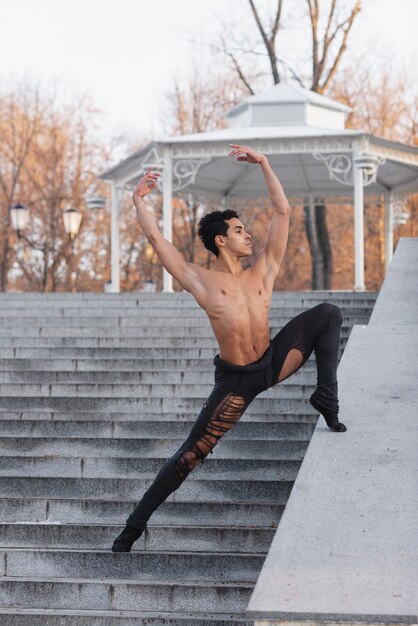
x: 278, y: 99
x: 287, y: 92
x: 304, y: 135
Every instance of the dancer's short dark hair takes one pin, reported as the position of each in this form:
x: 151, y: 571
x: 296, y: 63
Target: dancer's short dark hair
x: 213, y: 224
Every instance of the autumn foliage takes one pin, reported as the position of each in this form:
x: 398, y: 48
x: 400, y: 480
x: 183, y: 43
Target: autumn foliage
x: 51, y: 153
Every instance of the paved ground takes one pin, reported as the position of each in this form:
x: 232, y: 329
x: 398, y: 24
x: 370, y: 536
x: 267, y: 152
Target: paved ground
x: 347, y: 548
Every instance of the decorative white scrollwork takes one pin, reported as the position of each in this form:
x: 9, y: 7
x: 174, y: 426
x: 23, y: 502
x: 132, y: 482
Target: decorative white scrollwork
x: 152, y: 159
x: 369, y: 164
x: 340, y: 166
x: 185, y: 171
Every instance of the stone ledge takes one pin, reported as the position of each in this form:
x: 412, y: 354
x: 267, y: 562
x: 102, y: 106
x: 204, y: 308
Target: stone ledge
x: 346, y: 548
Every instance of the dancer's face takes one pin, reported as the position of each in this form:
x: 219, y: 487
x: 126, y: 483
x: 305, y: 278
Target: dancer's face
x: 238, y: 241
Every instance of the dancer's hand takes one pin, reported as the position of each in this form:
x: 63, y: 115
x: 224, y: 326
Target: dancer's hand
x: 246, y: 154
x: 146, y: 184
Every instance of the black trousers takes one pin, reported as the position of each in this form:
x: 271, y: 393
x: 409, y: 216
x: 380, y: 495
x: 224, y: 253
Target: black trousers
x: 317, y: 329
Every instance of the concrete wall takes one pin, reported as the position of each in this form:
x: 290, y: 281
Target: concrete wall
x: 347, y: 546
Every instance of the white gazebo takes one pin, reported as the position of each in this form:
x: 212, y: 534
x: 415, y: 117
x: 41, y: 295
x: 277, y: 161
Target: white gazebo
x: 304, y: 136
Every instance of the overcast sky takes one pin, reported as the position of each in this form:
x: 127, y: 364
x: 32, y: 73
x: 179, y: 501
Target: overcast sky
x: 127, y: 52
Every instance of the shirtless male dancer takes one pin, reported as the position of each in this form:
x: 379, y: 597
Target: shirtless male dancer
x: 237, y: 302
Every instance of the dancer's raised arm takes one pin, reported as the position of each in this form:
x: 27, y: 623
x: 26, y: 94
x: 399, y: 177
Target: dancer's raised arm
x: 272, y: 253
x: 185, y: 273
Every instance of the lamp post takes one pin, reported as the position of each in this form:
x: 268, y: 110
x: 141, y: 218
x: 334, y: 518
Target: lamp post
x: 149, y: 255
x: 72, y: 221
x: 19, y: 215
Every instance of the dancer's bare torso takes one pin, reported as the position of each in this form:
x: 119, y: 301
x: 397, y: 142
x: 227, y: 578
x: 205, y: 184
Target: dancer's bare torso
x: 237, y: 307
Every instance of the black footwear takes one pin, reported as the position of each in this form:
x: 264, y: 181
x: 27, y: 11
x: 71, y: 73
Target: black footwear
x: 124, y: 541
x: 331, y: 417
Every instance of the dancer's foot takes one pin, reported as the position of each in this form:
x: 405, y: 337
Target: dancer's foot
x: 330, y: 416
x: 124, y: 541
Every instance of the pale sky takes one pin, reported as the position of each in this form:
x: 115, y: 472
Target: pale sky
x: 126, y: 53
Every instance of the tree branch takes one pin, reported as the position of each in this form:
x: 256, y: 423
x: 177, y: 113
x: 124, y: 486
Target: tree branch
x: 269, y: 43
x: 240, y: 73
x: 276, y: 24
x: 341, y: 50
x: 329, y: 37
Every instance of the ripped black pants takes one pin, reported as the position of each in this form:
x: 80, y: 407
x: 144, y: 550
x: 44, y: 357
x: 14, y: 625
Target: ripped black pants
x: 317, y: 329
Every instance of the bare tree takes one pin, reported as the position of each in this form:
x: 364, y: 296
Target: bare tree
x: 59, y: 173
x: 329, y: 46
x: 269, y: 39
x: 384, y: 102
x: 48, y: 161
x: 327, y: 51
x: 329, y: 43
x: 21, y: 115
x: 201, y: 103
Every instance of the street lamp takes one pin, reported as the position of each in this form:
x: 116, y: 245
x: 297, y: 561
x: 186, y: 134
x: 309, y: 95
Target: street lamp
x: 19, y: 214
x: 72, y: 220
x: 149, y: 255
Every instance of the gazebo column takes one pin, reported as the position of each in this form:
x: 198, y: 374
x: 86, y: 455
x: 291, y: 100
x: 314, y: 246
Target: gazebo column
x: 388, y: 228
x: 114, y: 239
x: 358, y: 228
x: 167, y: 209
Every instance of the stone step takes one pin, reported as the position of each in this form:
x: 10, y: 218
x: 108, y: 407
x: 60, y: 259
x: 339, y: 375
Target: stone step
x: 123, y: 596
x: 147, y: 416
x: 139, y: 468
x: 77, y: 353
x: 127, y: 296
x: 268, y: 406
x: 73, y: 307
x: 146, y: 566
x: 306, y: 375
x: 119, y: 365
x: 147, y: 344
x: 279, y: 299
x: 151, y: 448
x: 151, y: 317
x: 139, y: 326
x: 141, y: 390
x: 133, y: 367
x: 187, y: 538
x: 140, y: 338
x: 179, y: 513
x: 193, y: 489
x: 79, y: 617
x: 106, y: 353
x: 159, y: 300
x: 86, y: 429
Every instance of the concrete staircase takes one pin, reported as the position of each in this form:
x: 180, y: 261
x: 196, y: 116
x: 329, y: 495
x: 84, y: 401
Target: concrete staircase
x: 96, y: 390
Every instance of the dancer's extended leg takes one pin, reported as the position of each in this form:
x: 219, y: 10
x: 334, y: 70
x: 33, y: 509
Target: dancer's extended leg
x: 221, y: 411
x: 318, y: 330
